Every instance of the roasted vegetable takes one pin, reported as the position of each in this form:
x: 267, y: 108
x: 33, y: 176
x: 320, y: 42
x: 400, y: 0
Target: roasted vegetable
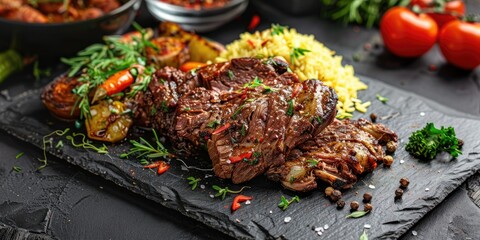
x: 169, y: 51
x: 59, y: 98
x: 109, y: 122
x: 201, y: 49
x: 427, y: 142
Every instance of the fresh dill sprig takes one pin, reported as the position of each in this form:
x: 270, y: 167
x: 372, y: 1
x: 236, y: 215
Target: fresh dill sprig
x: 47, y: 139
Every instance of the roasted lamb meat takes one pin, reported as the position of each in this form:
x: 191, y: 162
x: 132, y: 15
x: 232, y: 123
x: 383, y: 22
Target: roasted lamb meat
x: 249, y: 113
x: 337, y: 155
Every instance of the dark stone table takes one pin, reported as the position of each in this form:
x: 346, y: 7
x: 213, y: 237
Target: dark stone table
x: 65, y: 202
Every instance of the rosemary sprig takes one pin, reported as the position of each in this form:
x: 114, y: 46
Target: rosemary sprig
x: 382, y: 99
x: 19, y: 155
x: 143, y: 148
x: 222, y: 192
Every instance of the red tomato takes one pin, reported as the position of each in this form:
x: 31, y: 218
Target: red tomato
x: 460, y: 44
x: 407, y: 34
x: 442, y: 14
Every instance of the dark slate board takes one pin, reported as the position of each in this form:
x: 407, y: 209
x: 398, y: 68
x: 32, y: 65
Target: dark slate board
x: 25, y: 118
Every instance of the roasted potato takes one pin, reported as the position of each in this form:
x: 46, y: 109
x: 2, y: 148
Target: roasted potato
x: 169, y: 51
x: 202, y: 50
x: 108, y: 122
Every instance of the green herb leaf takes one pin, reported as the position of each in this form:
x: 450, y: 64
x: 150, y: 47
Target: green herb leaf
x: 296, y: 53
x: 312, y: 162
x: 290, y: 108
x: 231, y: 75
x: 213, y: 124
x: 357, y: 214
x: 382, y: 98
x: 222, y: 192
x: 284, y: 203
x: 19, y: 155
x: 364, y: 235
x: 193, y: 182
x: 16, y: 168
x: 278, y: 29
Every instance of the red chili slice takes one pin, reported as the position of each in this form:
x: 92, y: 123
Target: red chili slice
x: 235, y: 159
x: 239, y: 199
x: 221, y: 129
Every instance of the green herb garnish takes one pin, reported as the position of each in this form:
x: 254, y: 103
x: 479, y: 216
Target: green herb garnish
x: 193, y: 182
x: 222, y: 192
x: 47, y: 139
x: 38, y: 73
x: 312, y: 162
x: 85, y: 143
x: 213, y: 124
x: 364, y: 235
x: 367, y: 12
x: 143, y: 148
x: 382, y: 98
x: 296, y: 53
x: 231, y: 75
x: 357, y: 214
x: 284, y: 203
x: 98, y: 62
x: 19, y: 155
x: 290, y: 108
x: 16, y: 168
x: 278, y: 29
x: 429, y: 141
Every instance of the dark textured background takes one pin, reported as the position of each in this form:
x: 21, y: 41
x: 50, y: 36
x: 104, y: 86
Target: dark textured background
x: 87, y: 207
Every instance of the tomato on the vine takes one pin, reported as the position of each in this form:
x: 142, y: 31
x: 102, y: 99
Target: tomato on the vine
x: 406, y: 33
x: 442, y: 11
x: 460, y: 44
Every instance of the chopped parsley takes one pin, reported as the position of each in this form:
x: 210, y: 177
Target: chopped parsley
x: 213, y: 124
x: 290, y: 108
x: 284, y: 203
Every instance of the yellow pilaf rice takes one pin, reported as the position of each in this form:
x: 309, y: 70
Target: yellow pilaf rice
x: 320, y: 63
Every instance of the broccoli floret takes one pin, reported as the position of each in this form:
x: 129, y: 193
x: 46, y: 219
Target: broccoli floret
x: 427, y: 142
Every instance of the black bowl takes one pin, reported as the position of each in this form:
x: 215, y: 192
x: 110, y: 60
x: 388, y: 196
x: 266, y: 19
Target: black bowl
x: 52, y: 40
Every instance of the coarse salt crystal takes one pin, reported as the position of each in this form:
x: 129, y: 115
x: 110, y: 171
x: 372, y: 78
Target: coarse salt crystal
x: 271, y: 211
x: 414, y: 233
x: 427, y: 189
x: 228, y: 161
x: 422, y: 114
x: 318, y: 229
x: 367, y: 226
x: 287, y: 219
x: 247, y: 202
x: 202, y: 186
x: 326, y: 226
x: 371, y: 186
x: 319, y: 233
x: 402, y: 161
x: 212, y: 196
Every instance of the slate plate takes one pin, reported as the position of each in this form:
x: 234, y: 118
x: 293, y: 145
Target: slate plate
x: 24, y: 117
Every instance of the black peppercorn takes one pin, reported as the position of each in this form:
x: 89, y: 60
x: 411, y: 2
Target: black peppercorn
x: 404, y: 183
x: 336, y: 195
x: 398, y: 193
x: 354, y: 206
x: 368, y: 207
x: 329, y: 191
x: 340, y: 204
x: 373, y: 117
x: 367, y: 197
